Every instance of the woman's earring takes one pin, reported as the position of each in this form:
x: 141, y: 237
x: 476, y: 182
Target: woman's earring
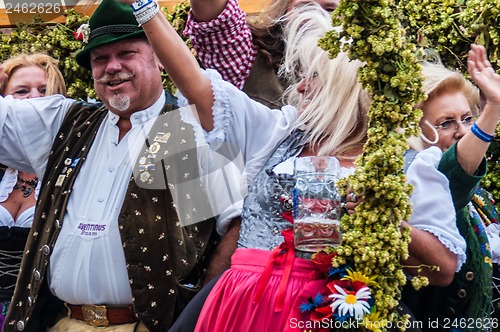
x: 436, y: 134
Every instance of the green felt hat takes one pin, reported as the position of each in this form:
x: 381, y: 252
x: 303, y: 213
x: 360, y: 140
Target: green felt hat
x: 112, y: 21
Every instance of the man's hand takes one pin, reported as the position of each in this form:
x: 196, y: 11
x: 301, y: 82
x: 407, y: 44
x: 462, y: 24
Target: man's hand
x: 221, y: 259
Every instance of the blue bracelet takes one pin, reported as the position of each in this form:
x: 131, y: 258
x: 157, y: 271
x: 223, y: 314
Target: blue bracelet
x: 481, y: 134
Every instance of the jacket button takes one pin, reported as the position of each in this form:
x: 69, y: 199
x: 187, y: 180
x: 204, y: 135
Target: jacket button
x: 450, y: 311
x: 30, y: 301
x: 462, y: 293
x: 470, y: 276
x: 20, y: 325
x: 58, y: 224
x: 37, y: 275
x: 46, y: 250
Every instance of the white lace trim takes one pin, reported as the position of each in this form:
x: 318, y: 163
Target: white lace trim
x: 461, y: 256
x: 221, y: 103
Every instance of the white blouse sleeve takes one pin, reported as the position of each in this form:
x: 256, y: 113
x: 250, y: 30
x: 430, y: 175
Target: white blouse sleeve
x: 433, y: 209
x: 245, y: 125
x: 222, y: 178
x: 245, y: 134
x: 27, y: 130
x: 493, y: 233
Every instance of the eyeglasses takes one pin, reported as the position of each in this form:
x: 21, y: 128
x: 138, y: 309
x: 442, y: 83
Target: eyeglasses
x: 452, y: 124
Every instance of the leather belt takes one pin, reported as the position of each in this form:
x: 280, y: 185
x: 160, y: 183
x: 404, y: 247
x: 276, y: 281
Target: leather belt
x: 101, y: 315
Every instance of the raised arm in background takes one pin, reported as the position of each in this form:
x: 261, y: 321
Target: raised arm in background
x: 471, y: 149
x: 180, y: 65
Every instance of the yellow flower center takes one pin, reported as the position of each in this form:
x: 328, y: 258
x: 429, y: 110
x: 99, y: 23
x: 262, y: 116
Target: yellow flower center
x: 351, y: 299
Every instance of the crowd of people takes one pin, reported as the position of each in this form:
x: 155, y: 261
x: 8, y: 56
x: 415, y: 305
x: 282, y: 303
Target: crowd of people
x: 130, y: 230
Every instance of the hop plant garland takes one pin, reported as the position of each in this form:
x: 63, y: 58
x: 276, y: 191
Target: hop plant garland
x: 373, y: 239
x: 385, y: 35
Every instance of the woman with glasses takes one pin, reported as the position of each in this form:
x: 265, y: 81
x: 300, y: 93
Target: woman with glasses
x: 449, y: 113
x: 451, y: 106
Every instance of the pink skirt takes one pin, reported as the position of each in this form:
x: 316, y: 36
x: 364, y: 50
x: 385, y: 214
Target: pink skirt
x: 230, y: 306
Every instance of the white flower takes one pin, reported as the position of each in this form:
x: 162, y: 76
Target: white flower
x: 356, y: 305
x: 83, y: 33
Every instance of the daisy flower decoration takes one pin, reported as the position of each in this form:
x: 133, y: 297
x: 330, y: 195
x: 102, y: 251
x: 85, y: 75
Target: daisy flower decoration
x: 352, y: 303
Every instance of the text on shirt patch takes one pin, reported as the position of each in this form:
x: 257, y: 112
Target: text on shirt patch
x: 91, y: 230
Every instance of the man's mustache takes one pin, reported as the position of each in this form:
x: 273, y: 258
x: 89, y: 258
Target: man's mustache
x: 110, y: 78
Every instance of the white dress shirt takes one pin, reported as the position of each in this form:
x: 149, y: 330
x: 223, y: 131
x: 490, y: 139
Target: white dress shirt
x: 85, y: 267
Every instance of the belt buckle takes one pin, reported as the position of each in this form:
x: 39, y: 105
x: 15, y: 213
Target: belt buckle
x: 95, y: 315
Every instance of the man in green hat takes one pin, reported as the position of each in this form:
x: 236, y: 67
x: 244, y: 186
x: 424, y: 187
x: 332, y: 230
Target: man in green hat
x: 110, y: 248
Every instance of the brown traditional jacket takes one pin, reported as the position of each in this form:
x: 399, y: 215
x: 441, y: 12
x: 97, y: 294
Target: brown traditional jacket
x: 166, y: 262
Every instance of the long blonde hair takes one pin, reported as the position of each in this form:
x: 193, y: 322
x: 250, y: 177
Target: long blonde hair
x: 55, y: 80
x: 335, y: 113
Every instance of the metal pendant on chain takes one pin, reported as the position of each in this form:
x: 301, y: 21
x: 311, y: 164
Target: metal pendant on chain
x: 26, y: 186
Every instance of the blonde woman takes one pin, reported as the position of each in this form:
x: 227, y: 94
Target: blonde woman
x: 32, y: 75
x: 28, y: 76
x: 449, y: 115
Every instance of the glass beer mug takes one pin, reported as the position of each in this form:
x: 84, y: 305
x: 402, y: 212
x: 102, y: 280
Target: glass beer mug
x: 317, y: 205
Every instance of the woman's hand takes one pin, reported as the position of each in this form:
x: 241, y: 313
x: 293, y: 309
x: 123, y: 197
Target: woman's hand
x: 472, y: 148
x: 483, y: 74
